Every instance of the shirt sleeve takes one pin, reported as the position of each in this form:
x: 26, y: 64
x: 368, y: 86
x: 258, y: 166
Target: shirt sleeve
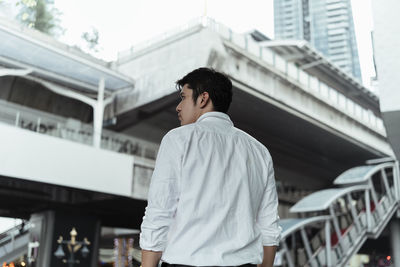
x: 268, y: 218
x: 163, y: 196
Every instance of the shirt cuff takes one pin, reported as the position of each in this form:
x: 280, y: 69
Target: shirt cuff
x: 272, y: 238
x: 152, y: 246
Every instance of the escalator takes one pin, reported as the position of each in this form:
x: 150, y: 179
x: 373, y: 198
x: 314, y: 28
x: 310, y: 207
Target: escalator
x: 334, y: 223
x: 14, y: 243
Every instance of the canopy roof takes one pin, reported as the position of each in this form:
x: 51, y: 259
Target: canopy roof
x: 24, y: 48
x: 321, y: 200
x: 360, y: 174
x: 292, y: 225
x: 300, y: 52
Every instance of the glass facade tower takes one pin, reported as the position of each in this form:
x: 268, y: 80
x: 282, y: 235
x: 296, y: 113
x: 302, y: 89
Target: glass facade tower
x: 327, y: 24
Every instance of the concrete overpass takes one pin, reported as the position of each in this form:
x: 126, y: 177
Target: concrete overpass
x: 58, y: 167
x: 316, y: 126
x: 386, y: 42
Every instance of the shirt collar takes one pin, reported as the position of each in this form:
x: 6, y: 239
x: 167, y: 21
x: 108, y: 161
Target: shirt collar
x: 215, y: 115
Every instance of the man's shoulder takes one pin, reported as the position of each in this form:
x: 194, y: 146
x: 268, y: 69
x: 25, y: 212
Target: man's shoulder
x: 247, y: 137
x: 253, y: 141
x: 180, y: 132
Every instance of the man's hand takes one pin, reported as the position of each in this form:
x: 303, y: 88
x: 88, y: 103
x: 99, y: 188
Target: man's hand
x: 150, y: 258
x: 269, y: 256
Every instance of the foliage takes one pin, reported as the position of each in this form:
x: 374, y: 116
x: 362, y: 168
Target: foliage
x: 41, y: 15
x: 92, y: 39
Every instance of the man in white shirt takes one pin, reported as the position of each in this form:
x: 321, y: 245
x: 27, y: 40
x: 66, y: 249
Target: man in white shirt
x: 212, y: 198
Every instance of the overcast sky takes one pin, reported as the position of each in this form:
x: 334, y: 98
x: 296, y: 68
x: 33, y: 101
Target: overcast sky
x: 122, y: 23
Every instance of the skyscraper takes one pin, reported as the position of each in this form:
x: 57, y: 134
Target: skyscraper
x: 327, y: 24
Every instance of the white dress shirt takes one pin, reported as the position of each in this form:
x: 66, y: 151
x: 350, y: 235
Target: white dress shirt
x: 212, y: 197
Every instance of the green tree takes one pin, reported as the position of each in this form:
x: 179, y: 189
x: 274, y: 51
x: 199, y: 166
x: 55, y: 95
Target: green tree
x: 92, y: 39
x: 41, y: 15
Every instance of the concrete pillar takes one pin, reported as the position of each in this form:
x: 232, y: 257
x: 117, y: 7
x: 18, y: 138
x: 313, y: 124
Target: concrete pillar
x: 48, y: 226
x: 98, y: 115
x: 395, y: 241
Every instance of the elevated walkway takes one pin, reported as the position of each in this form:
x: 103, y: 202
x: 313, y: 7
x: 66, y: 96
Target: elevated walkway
x: 261, y: 78
x: 73, y: 130
x: 52, y: 136
x: 334, y: 225
x: 14, y: 243
x: 338, y: 221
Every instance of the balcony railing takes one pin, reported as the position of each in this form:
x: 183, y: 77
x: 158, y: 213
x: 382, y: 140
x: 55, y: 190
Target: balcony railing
x: 73, y: 130
x: 304, y: 81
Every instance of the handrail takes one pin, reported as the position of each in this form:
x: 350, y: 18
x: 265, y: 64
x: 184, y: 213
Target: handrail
x: 354, y: 173
x: 13, y: 233
x: 308, y: 83
x: 73, y: 130
x: 362, y: 222
x: 310, y: 199
x: 302, y: 223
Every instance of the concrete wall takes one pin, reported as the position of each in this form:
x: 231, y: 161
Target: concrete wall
x: 258, y: 78
x: 37, y: 157
x: 387, y: 53
x: 387, y: 56
x: 156, y: 68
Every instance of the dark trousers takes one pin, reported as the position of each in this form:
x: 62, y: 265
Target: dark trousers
x: 164, y: 264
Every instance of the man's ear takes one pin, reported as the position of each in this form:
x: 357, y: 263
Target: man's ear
x: 204, y: 99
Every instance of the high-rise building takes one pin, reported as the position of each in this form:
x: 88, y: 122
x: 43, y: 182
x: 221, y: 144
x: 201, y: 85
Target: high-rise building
x: 327, y: 24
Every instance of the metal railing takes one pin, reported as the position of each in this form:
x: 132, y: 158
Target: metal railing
x: 13, y: 233
x: 70, y: 129
x: 14, y: 239
x: 306, y: 82
x: 73, y: 130
x: 359, y: 211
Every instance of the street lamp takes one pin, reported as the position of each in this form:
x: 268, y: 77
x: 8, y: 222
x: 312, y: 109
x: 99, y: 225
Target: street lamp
x: 73, y: 247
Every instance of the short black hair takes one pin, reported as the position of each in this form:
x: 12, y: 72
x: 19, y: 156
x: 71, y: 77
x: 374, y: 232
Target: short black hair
x: 216, y: 84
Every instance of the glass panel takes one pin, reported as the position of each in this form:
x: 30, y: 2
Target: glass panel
x: 314, y: 83
x: 365, y: 116
x: 324, y: 90
x: 380, y: 124
x: 253, y: 47
x: 357, y: 111
x: 224, y: 31
x: 56, y: 62
x: 280, y: 63
x: 268, y: 56
x: 342, y: 101
x: 373, y: 120
x: 239, y: 40
x: 333, y: 95
x: 303, y: 78
x: 292, y: 71
x: 350, y: 106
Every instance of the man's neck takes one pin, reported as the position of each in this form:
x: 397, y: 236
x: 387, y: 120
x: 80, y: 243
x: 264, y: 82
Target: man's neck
x: 204, y: 111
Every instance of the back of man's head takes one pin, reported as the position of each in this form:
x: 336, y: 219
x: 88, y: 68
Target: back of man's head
x: 216, y: 84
